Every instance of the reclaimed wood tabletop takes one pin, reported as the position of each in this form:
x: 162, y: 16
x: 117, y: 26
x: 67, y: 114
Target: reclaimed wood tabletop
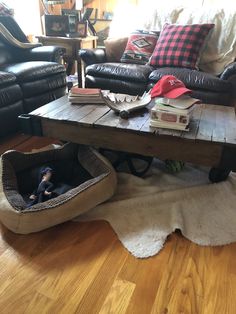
x: 210, y: 141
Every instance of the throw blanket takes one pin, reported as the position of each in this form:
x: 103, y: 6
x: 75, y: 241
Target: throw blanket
x: 220, y: 47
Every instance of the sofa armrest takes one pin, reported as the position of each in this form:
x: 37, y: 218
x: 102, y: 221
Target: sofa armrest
x: 229, y: 74
x: 44, y: 53
x: 93, y: 56
x: 228, y: 71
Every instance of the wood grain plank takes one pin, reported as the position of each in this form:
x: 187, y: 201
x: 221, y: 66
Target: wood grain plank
x: 60, y: 113
x: 110, y: 119
x: 146, y: 128
x: 63, y: 281
x: 44, y: 110
x: 12, y: 142
x: 207, y: 123
x: 95, y: 297
x: 118, y: 299
x: 70, y: 112
x: 203, y: 153
x: 42, y: 302
x: 222, y: 116
x: 194, y: 123
x: 135, y: 121
x: 98, y: 112
x: 230, y: 132
x: 135, y: 271
x: 165, y: 296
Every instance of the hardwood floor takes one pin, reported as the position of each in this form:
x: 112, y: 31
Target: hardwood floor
x: 83, y: 268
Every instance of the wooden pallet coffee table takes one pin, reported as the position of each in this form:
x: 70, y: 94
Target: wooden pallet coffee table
x: 211, y: 140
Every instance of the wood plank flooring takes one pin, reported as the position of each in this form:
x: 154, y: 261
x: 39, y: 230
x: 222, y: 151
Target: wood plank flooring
x: 83, y: 268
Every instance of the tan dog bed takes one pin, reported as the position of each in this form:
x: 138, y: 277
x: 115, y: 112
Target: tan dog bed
x: 90, y: 176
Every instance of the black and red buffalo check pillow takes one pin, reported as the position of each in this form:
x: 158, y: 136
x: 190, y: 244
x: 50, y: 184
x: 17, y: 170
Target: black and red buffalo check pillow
x: 180, y: 45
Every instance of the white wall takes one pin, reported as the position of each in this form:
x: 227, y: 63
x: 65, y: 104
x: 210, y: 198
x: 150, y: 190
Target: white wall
x: 27, y: 15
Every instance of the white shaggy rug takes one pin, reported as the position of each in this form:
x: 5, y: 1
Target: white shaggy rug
x: 144, y: 211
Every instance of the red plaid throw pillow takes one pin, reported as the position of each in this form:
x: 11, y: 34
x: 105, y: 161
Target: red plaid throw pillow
x: 180, y: 45
x: 140, y: 47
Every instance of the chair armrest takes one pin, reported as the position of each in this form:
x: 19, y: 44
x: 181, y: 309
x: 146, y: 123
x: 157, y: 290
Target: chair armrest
x: 44, y: 53
x: 11, y: 40
x: 29, y: 51
x: 228, y: 71
x: 93, y: 56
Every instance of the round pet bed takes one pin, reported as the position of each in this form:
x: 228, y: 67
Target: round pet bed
x: 88, y: 176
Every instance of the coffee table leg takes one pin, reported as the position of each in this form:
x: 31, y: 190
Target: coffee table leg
x: 217, y: 175
x: 225, y: 166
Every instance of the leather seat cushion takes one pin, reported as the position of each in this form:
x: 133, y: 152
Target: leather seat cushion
x: 207, y: 97
x: 120, y: 71
x: 36, y: 101
x: 43, y: 85
x: 33, y: 70
x: 115, y: 86
x: 193, y: 79
x: 6, y: 78
x: 9, y: 95
x: 210, y: 97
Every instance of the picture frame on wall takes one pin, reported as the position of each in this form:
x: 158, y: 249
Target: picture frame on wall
x: 102, y: 28
x: 74, y: 17
x: 82, y: 29
x: 56, y: 25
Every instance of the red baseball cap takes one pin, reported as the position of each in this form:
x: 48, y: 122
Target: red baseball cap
x: 170, y: 87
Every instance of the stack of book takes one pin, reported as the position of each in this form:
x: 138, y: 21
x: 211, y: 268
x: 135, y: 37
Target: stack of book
x: 85, y: 96
x: 172, y: 113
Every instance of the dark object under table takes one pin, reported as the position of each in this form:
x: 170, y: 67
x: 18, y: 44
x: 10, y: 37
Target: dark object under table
x: 210, y: 142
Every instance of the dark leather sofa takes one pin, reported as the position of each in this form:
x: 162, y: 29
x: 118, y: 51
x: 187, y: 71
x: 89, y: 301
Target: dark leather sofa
x: 30, y: 75
x: 135, y: 79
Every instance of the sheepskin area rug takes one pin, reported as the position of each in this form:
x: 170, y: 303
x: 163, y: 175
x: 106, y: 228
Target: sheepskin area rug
x: 144, y: 211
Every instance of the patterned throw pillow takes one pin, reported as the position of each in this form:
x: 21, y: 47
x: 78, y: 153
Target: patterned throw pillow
x: 180, y: 45
x: 140, y: 47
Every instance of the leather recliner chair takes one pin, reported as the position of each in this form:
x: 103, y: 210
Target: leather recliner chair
x: 134, y: 79
x: 30, y: 75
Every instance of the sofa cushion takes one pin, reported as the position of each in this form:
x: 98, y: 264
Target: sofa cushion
x: 115, y: 48
x: 43, y: 85
x: 120, y: 71
x: 193, y: 79
x: 207, y: 96
x: 32, y: 103
x: 33, y: 70
x: 6, y: 79
x: 10, y: 94
x: 116, y: 86
x: 180, y: 45
x: 140, y: 47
